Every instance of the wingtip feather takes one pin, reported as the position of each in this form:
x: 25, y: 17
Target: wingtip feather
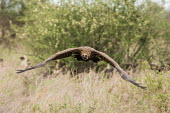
x: 21, y: 71
x: 137, y: 84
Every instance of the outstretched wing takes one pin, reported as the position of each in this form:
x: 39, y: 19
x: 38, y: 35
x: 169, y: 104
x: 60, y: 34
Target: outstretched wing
x: 59, y: 55
x: 123, y: 74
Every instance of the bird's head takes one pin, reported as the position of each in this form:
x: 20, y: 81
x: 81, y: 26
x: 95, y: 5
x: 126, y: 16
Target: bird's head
x: 85, y: 55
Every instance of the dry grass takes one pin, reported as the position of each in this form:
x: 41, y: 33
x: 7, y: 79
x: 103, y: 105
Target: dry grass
x: 91, y: 93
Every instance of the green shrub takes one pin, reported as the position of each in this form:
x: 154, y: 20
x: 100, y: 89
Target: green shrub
x: 120, y: 28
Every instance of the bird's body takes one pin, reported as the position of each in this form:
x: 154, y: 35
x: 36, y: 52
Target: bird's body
x: 85, y: 53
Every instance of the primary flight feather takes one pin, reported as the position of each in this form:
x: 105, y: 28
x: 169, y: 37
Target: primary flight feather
x: 85, y: 54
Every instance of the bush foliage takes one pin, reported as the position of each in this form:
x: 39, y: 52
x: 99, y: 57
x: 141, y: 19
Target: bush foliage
x: 125, y: 31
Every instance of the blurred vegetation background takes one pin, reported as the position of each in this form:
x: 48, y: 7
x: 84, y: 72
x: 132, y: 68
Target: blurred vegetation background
x: 126, y: 31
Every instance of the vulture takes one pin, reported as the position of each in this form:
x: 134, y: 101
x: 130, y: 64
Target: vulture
x: 85, y: 53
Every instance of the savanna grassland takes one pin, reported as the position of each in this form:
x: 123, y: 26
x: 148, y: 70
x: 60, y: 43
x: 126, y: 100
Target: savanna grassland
x: 131, y: 32
x: 89, y: 93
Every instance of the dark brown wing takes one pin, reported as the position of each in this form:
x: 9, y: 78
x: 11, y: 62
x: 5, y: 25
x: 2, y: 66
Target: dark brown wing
x: 59, y: 55
x: 123, y: 74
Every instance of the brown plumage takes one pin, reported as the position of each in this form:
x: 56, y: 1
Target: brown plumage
x: 85, y: 54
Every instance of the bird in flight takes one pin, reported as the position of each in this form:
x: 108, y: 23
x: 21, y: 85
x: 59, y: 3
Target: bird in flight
x: 85, y: 53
